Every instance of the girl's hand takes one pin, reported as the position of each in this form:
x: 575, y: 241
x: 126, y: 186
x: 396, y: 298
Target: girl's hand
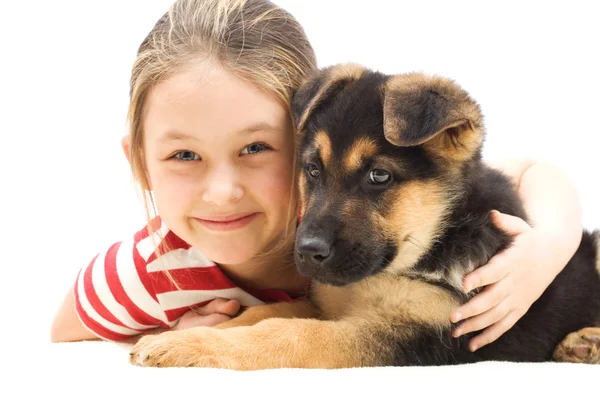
x: 217, y: 311
x: 514, y: 278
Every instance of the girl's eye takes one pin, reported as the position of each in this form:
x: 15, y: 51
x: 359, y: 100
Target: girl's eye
x: 187, y: 155
x: 254, y: 148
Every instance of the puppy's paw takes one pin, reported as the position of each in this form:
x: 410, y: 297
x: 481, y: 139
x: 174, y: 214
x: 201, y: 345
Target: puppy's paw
x: 187, y: 348
x: 582, y: 346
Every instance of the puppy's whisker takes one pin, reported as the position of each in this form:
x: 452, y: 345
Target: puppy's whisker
x: 412, y: 240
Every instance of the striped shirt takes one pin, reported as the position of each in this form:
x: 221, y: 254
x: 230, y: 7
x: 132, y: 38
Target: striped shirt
x: 125, y: 290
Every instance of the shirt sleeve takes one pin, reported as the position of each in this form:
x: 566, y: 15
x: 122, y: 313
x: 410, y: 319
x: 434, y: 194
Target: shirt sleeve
x: 114, y: 298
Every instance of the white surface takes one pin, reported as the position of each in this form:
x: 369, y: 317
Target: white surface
x: 101, y: 371
x: 66, y: 190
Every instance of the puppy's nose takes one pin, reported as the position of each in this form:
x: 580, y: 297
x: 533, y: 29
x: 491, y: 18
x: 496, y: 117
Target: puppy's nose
x: 314, y: 250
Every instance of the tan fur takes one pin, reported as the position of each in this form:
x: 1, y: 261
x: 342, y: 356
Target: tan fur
x: 252, y: 315
x: 352, y: 71
x: 332, y: 300
x: 272, y: 343
x: 302, y: 191
x: 349, y: 208
x: 457, y: 139
x: 360, y: 150
x: 582, y: 346
x: 347, y: 337
x: 396, y: 298
x: 415, y: 231
x: 324, y: 146
x: 410, y: 301
x: 456, y: 142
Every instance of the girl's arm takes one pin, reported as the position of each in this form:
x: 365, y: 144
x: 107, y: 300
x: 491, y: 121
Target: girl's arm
x: 551, y: 202
x: 516, y: 277
x: 66, y: 326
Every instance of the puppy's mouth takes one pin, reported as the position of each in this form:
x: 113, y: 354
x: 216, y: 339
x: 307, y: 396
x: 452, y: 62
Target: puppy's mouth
x: 347, y: 267
x: 332, y: 280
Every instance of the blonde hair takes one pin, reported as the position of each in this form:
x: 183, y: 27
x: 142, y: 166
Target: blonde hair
x: 253, y: 39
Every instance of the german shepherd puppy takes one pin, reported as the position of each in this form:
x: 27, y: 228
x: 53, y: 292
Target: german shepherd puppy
x: 396, y: 210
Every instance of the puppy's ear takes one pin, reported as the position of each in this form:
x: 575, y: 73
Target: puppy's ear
x: 320, y: 86
x: 434, y: 112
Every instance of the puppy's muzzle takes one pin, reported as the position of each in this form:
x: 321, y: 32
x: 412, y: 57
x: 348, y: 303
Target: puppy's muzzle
x: 314, y: 253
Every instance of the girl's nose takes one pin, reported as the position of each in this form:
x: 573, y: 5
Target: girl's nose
x: 222, y: 187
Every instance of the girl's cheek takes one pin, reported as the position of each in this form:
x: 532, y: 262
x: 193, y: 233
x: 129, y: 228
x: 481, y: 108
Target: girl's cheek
x: 177, y: 186
x: 280, y: 186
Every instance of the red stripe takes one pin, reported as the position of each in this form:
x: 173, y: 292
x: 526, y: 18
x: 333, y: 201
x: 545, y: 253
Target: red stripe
x: 269, y: 295
x: 193, y: 278
x: 94, y: 300
x: 142, y: 270
x: 138, y: 260
x: 175, y: 242
x: 170, y: 242
x: 118, y: 292
x: 92, y: 325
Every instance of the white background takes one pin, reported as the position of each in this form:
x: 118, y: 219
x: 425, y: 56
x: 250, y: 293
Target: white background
x: 65, y: 184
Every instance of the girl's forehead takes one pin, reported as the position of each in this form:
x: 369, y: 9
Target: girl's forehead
x: 211, y: 98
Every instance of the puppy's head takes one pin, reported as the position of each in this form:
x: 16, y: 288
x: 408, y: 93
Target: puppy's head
x: 381, y: 159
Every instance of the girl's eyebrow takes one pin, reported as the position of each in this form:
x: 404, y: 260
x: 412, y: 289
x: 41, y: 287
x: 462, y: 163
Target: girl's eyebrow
x: 180, y: 136
x: 175, y: 136
x: 259, y: 126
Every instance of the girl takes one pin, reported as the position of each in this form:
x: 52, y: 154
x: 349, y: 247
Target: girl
x: 211, y: 144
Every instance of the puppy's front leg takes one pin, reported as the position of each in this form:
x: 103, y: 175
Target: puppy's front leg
x: 252, y: 315
x: 272, y: 343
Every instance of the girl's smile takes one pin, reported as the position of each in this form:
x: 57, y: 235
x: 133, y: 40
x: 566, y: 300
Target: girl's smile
x: 227, y: 223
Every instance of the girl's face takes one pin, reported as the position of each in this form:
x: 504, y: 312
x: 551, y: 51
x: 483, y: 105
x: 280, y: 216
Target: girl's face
x: 219, y: 158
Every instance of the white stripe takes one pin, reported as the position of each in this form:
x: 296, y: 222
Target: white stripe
x: 179, y: 258
x: 186, y: 298
x: 147, y: 246
x: 94, y: 332
x: 92, y: 314
x: 106, y: 297
x: 133, y: 286
x: 90, y: 330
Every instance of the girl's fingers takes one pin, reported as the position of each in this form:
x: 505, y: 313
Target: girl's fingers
x: 483, y: 320
x: 509, y: 223
x: 220, y: 306
x: 479, y: 304
x: 497, y: 267
x: 493, y: 332
x: 495, y: 270
x: 200, y: 320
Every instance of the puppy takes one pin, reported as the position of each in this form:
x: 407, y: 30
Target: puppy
x: 396, y: 203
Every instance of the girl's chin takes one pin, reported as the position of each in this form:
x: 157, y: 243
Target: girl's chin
x: 230, y: 256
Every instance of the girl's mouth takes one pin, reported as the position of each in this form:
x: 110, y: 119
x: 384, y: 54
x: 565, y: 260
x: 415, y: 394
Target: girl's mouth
x: 226, y: 223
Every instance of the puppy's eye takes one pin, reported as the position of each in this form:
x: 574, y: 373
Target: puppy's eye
x: 379, y: 177
x: 312, y: 170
